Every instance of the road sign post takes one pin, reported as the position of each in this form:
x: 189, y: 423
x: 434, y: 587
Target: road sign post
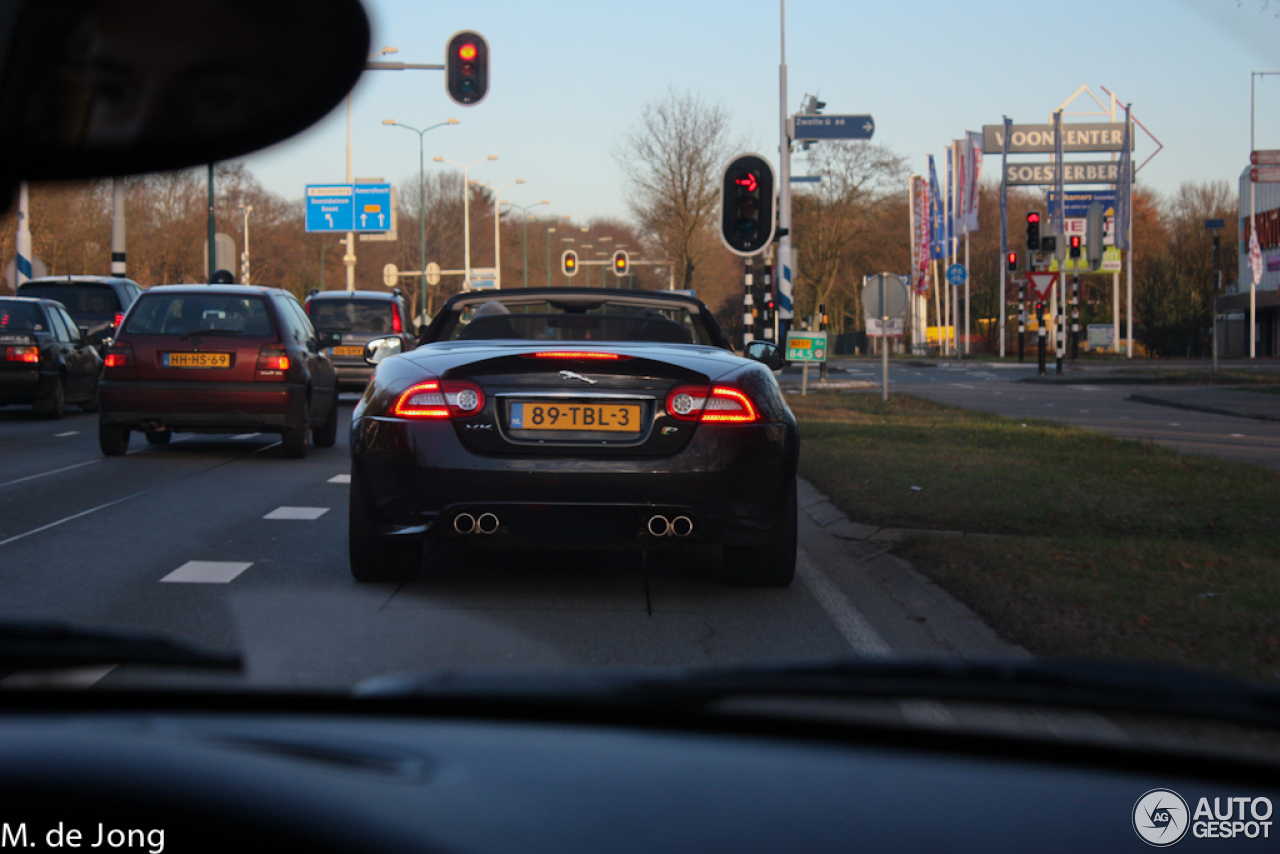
x: 809, y: 128
x: 806, y: 347
x: 335, y: 208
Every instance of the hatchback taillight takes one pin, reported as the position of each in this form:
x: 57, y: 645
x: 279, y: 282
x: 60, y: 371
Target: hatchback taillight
x: 273, y: 362
x: 716, y: 404
x: 396, y: 326
x: 28, y: 354
x: 119, y: 318
x: 436, y: 399
x: 118, y: 355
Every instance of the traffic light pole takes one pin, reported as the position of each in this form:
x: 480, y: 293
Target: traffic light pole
x: 1042, y: 334
x: 1022, y: 319
x: 1075, y: 318
x: 748, y: 305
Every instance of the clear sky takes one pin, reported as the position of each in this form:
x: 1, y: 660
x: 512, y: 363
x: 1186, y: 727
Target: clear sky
x: 569, y: 77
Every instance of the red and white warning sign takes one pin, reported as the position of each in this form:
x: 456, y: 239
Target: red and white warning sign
x: 1043, y: 282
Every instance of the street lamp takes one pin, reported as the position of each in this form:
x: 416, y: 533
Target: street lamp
x: 524, y: 209
x: 422, y: 209
x: 466, y: 210
x: 244, y: 258
x: 497, y: 236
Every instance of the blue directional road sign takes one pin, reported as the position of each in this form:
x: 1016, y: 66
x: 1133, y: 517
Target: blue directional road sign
x: 348, y: 207
x: 956, y: 274
x: 329, y: 207
x: 834, y: 127
x: 1215, y: 223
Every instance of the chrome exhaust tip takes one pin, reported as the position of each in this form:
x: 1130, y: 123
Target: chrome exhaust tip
x: 487, y: 524
x: 464, y: 523
x: 659, y: 526
x: 681, y: 526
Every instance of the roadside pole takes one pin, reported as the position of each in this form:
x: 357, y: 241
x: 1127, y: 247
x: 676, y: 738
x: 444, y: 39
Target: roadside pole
x: 117, y: 227
x: 213, y: 236
x: 1041, y: 331
x: 884, y: 343
x: 785, y: 307
x: 22, y: 264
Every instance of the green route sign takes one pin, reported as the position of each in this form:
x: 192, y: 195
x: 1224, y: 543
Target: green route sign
x: 806, y: 346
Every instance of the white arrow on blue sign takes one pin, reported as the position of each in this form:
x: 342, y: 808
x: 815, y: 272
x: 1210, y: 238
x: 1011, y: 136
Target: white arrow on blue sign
x: 956, y: 274
x: 834, y: 127
x: 348, y: 207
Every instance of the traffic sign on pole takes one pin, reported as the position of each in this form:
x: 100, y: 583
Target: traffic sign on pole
x: 390, y: 275
x: 956, y: 275
x: 1042, y: 282
x: 1264, y: 174
x: 348, y: 207
x: 1265, y: 158
x: 832, y: 127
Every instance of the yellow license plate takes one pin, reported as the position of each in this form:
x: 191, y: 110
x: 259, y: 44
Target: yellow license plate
x: 593, y: 417
x: 196, y: 360
x: 349, y: 351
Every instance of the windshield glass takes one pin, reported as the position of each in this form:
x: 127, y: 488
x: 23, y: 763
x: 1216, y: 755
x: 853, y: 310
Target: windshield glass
x: 78, y: 299
x: 551, y: 320
x: 352, y: 315
x: 855, y: 368
x: 179, y: 314
x: 20, y: 316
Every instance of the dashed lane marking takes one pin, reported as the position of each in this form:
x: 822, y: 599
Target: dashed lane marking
x: 859, y: 633
x: 66, y: 434
x: 78, y: 677
x: 306, y: 514
x: 246, y: 436
x: 207, y: 572
x: 340, y: 478
x: 47, y: 473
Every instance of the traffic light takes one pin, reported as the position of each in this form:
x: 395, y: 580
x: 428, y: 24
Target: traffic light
x: 1033, y: 231
x: 466, y: 68
x: 1012, y: 259
x: 621, y: 263
x: 1075, y: 246
x: 569, y: 262
x: 746, y: 205
x: 1095, y: 229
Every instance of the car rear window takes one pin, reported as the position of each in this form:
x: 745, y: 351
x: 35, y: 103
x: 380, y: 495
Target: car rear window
x: 24, y: 316
x: 351, y: 315
x: 78, y: 299
x: 178, y: 314
x: 575, y: 321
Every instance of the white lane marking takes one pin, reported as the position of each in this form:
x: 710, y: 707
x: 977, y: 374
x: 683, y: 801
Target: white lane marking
x: 246, y: 435
x: 962, y: 385
x: 207, y: 572
x: 860, y: 634
x: 1086, y: 387
x: 66, y: 434
x: 1174, y: 424
x: 307, y: 514
x: 1239, y: 436
x: 340, y: 478
x: 78, y: 677
x: 17, y: 537
x: 47, y: 473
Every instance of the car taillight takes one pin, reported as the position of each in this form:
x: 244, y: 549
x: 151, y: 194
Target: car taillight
x: 717, y: 404
x: 29, y: 355
x: 396, y: 326
x: 584, y: 355
x: 119, y: 318
x: 273, y: 361
x: 433, y: 399
x: 118, y: 355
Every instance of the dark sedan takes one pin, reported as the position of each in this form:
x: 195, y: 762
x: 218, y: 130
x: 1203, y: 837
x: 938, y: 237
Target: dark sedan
x: 97, y: 303
x: 217, y: 359
x: 45, y: 359
x: 601, y: 418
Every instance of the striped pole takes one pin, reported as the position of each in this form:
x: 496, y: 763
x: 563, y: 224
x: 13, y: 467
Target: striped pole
x: 748, y: 305
x: 23, y: 262
x: 117, y: 227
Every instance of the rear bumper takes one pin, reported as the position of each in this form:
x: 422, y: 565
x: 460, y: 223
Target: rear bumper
x: 25, y: 385
x: 416, y: 479
x: 352, y: 377
x: 201, y: 407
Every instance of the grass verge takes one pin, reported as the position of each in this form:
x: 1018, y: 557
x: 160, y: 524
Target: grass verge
x: 1110, y: 548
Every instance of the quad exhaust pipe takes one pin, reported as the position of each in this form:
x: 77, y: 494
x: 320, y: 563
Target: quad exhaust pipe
x: 661, y: 526
x: 486, y: 523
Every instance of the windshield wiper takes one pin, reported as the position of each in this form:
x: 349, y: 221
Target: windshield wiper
x: 197, y: 332
x: 56, y: 646
x: 1098, y: 686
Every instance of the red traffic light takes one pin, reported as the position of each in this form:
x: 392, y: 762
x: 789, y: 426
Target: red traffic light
x: 1012, y: 258
x: 1033, y: 217
x: 750, y: 182
x: 467, y: 51
x: 1075, y: 241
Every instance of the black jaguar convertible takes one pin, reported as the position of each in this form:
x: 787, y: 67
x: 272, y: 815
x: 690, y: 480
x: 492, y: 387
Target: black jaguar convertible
x: 608, y: 419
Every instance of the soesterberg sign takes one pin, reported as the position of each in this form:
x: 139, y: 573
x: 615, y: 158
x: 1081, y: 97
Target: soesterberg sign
x: 1038, y: 139
x: 1026, y: 174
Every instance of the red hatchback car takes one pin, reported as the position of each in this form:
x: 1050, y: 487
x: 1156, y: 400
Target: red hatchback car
x: 217, y: 359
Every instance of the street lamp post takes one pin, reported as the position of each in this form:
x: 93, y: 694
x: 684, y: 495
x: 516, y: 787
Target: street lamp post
x: 422, y: 208
x: 524, y: 209
x: 244, y: 260
x: 497, y: 234
x: 604, y: 282
x: 350, y: 258
x: 466, y: 210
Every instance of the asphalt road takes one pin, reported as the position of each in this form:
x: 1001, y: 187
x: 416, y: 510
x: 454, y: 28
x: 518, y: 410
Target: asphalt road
x: 223, y: 542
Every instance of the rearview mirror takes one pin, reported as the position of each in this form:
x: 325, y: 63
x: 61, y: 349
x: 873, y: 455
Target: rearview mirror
x: 96, y: 88
x: 765, y: 352
x: 380, y: 349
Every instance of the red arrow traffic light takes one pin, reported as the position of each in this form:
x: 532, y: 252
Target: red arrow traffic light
x: 750, y: 182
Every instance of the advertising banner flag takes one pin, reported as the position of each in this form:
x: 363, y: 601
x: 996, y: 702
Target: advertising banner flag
x: 973, y: 152
x: 959, y: 200
x: 1124, y: 190
x: 922, y: 238
x: 1059, y: 221
x: 937, y: 229
x: 1004, y: 193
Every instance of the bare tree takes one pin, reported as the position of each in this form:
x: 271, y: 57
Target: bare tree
x: 672, y: 159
